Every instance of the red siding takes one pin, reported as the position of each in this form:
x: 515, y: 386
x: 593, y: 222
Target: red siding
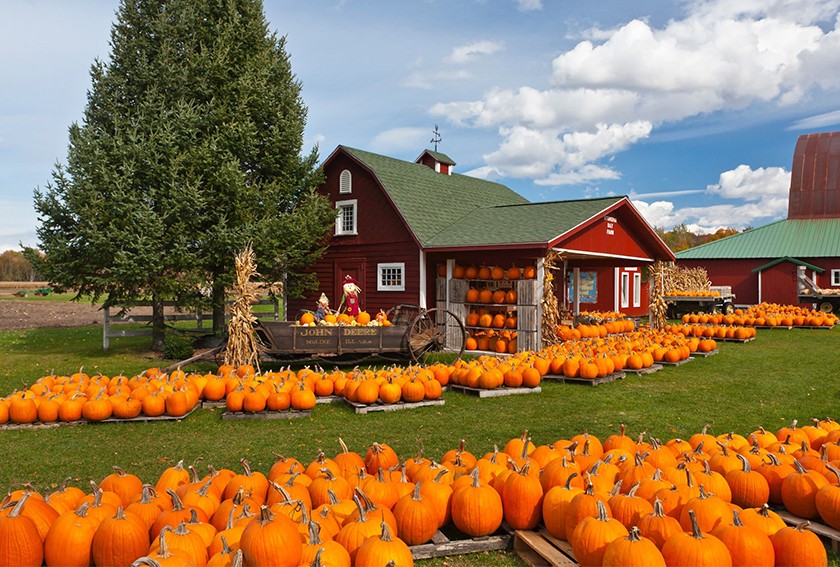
x: 778, y: 283
x: 618, y: 233
x: 381, y: 238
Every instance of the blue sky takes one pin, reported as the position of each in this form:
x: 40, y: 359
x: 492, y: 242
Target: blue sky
x: 690, y: 107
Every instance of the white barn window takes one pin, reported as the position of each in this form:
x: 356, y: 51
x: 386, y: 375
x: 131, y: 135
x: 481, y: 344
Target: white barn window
x: 390, y: 277
x: 835, y: 278
x: 345, y: 222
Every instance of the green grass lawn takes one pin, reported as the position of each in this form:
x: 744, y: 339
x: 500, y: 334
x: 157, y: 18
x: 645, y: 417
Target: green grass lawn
x: 782, y: 375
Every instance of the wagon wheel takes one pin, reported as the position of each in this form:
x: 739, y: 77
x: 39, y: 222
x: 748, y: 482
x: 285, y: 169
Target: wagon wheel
x: 436, y: 331
x: 826, y: 307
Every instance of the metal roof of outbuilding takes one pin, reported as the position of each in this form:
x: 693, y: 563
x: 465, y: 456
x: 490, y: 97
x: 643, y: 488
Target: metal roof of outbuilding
x: 798, y: 238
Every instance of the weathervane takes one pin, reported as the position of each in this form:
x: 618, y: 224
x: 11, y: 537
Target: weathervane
x: 436, y: 139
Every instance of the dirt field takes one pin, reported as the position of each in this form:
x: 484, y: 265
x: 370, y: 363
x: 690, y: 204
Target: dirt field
x: 22, y: 314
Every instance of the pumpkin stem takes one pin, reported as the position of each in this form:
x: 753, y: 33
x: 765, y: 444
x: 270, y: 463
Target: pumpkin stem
x: 616, y: 488
x: 658, y: 509
x: 177, y: 505
x: 343, y: 446
x: 635, y: 535
x: 736, y: 519
x: 602, y: 512
x: 246, y: 466
x: 568, y: 485
x: 632, y: 492
x: 16, y: 511
x: 695, y: 528
x: 416, y: 495
x: 799, y: 468
x: 314, y: 533
x: 386, y: 533
x: 265, y: 515
x: 360, y: 506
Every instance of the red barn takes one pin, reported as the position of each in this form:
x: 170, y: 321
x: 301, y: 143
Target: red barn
x: 402, y: 228
x: 761, y: 264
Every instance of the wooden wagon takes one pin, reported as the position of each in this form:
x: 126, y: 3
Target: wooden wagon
x: 414, y: 332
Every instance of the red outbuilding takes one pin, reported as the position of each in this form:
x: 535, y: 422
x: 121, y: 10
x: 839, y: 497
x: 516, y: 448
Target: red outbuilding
x: 407, y: 230
x: 761, y: 264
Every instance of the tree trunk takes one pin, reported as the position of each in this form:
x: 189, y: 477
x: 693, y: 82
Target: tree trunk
x: 158, y: 325
x: 218, y: 307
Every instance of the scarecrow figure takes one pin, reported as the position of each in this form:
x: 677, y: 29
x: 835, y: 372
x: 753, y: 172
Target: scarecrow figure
x: 350, y: 299
x: 323, y: 308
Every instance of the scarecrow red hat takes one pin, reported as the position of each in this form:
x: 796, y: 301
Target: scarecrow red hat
x: 349, y: 279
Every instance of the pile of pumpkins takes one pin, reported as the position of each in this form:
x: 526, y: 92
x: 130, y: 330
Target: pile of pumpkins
x: 78, y: 396
x: 765, y: 315
x: 618, y: 501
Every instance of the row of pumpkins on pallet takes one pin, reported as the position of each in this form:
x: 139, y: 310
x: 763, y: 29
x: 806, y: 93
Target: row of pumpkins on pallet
x: 701, y: 501
x: 766, y: 315
x: 57, y: 398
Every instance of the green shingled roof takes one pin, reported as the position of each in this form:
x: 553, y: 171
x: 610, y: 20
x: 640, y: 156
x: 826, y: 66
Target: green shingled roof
x: 520, y: 224
x: 800, y: 238
x: 458, y: 210
x: 429, y: 201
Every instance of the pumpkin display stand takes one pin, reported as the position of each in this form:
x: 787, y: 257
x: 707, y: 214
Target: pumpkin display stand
x: 287, y: 414
x: 586, y: 381
x: 495, y: 392
x: 541, y: 548
x: 452, y: 542
x: 139, y: 419
x: 379, y: 406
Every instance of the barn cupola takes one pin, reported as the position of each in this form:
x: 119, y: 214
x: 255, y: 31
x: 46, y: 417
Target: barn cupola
x: 438, y: 161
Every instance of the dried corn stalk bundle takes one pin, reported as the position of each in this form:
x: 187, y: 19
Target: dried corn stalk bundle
x: 242, y: 348
x: 550, y: 306
x: 658, y: 307
x: 677, y: 280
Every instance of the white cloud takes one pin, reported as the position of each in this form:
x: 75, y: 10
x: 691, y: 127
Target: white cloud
x: 762, y: 195
x: 397, y: 140
x: 466, y: 53
x: 817, y: 121
x: 749, y: 184
x: 720, y: 56
x: 528, y: 5
x: 584, y: 174
x: 558, y: 158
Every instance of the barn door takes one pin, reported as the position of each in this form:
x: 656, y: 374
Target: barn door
x: 355, y: 268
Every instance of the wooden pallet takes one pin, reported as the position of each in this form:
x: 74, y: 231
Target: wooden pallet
x: 644, y: 371
x: 677, y: 363
x: 442, y: 546
x: 328, y: 399
x: 705, y: 354
x: 734, y: 340
x: 541, y: 549
x: 586, y: 381
x: 378, y: 406
x: 496, y: 392
x: 138, y: 419
x: 827, y: 533
x: 289, y: 414
x: 207, y: 404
